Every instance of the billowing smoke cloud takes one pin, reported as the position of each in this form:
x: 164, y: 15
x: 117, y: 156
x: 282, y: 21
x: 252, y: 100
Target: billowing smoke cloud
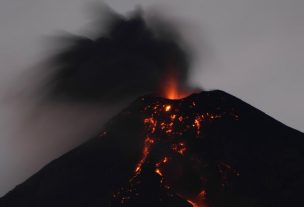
x: 128, y: 57
x: 89, y: 79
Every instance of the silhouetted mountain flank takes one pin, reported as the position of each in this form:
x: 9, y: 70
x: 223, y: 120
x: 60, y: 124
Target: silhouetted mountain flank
x: 208, y: 149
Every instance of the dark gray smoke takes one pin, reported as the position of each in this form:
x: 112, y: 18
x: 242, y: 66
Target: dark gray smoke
x: 128, y: 57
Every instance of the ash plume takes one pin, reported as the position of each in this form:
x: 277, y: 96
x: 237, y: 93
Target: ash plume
x: 127, y: 57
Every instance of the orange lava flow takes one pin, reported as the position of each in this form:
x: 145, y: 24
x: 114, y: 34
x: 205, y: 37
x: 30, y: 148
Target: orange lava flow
x: 146, y: 151
x: 170, y: 139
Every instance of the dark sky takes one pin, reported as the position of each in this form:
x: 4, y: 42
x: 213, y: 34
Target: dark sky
x: 255, y: 51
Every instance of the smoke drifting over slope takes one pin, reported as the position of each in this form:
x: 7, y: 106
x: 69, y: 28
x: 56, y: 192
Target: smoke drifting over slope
x: 127, y: 58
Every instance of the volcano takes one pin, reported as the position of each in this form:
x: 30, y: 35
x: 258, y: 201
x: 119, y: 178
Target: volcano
x: 209, y: 149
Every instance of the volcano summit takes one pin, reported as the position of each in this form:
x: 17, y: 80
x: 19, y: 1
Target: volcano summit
x: 209, y: 149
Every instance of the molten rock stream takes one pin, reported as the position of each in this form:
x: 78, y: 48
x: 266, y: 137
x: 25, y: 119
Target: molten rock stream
x: 174, y: 130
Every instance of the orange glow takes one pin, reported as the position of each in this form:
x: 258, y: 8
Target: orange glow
x: 146, y: 151
x: 192, y: 203
x: 168, y: 108
x: 168, y: 142
x: 157, y: 171
x: 165, y: 160
x: 171, y: 88
x: 180, y: 148
x: 202, y: 194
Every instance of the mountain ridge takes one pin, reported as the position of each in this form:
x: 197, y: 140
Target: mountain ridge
x: 89, y: 174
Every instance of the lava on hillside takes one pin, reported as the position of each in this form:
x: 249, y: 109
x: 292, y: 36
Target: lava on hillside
x: 174, y: 132
x: 209, y: 149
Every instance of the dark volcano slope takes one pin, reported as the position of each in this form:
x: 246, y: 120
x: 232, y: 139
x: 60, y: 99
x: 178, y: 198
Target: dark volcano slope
x: 209, y: 149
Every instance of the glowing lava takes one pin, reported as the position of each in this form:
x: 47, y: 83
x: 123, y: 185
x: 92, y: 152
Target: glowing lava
x: 173, y: 91
x: 171, y: 87
x: 172, y: 132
